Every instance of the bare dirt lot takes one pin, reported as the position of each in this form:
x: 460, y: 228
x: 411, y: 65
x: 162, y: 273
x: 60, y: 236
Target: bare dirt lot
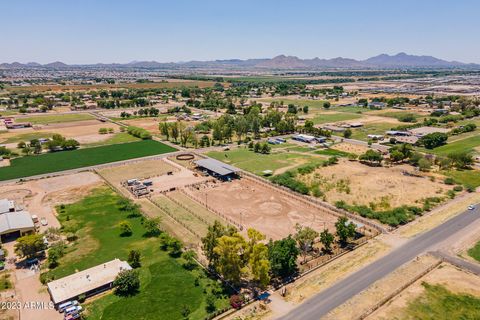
x: 452, y: 278
x: 350, y: 148
x: 83, y: 131
x: 356, y: 183
x: 264, y: 208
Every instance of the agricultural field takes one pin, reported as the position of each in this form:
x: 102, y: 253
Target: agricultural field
x: 444, y: 293
x: 133, y: 85
x: 468, y: 178
x: 278, y: 160
x: 166, y: 286
x: 65, y: 160
x: 55, y: 118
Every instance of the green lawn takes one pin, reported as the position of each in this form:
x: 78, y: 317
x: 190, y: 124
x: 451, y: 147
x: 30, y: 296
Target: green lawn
x: 373, y: 128
x: 65, y: 160
x: 475, y: 252
x: 56, y: 118
x: 256, y: 162
x: 438, y: 303
x: 466, y: 177
x: 334, y: 117
x: 468, y: 144
x: 165, y: 285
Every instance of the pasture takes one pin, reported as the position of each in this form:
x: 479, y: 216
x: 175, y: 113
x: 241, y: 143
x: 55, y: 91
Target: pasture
x: 166, y: 286
x: 55, y: 118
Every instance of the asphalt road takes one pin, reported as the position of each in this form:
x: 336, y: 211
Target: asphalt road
x: 320, y: 304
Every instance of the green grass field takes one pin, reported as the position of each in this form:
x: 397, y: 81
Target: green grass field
x: 475, y: 252
x: 256, y: 163
x: 334, y: 117
x: 66, y: 160
x: 469, y: 178
x: 468, y: 144
x: 373, y: 128
x: 441, y: 304
x: 165, y: 285
x: 56, y: 118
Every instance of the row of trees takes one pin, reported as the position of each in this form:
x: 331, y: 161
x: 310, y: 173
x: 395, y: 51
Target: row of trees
x: 56, y: 143
x: 238, y: 259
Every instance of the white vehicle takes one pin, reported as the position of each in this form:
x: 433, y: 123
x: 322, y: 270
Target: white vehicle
x: 471, y: 207
x: 44, y: 222
x: 73, y: 309
x: 68, y: 304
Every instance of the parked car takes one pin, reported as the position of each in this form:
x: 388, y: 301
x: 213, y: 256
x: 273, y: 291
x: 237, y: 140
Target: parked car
x: 65, y: 305
x: 73, y: 309
x: 72, y: 316
x: 471, y: 207
x: 44, y: 222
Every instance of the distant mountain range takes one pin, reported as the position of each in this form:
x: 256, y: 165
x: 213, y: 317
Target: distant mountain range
x: 281, y: 62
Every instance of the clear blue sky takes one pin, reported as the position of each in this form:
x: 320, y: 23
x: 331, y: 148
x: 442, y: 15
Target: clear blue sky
x: 90, y: 31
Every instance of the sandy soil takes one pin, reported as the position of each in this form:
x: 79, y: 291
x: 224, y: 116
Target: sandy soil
x: 362, y: 184
x: 150, y: 124
x: 83, y: 131
x: 263, y: 208
x: 143, y: 169
x: 452, y: 278
x: 350, y: 148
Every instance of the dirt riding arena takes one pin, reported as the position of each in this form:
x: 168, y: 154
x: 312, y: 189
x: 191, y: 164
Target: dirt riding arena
x: 39, y: 197
x: 350, y: 148
x: 259, y: 206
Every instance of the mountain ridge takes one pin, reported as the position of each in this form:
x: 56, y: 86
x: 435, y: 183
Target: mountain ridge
x: 283, y: 62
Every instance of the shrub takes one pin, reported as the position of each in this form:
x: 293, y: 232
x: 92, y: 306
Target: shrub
x: 449, y: 181
x: 139, y: 133
x: 457, y: 188
x: 127, y: 283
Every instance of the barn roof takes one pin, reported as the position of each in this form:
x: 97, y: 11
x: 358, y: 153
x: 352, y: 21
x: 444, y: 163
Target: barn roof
x: 216, y: 166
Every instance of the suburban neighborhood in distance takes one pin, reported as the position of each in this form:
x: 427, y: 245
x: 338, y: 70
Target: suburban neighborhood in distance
x: 177, y: 161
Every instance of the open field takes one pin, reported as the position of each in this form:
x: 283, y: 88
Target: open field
x: 387, y: 188
x: 55, y: 118
x: 332, y: 116
x: 85, y: 132
x: 150, y: 124
x: 116, y: 138
x: 165, y: 285
x: 65, y: 160
x: 261, y: 207
x: 350, y: 148
x: 277, y: 161
x: 469, y: 178
x: 445, y: 293
x: 151, y: 85
x: 470, y: 144
x: 378, y: 128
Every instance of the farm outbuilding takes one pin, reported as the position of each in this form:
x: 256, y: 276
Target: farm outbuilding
x: 88, y: 282
x: 217, y: 168
x: 16, y: 224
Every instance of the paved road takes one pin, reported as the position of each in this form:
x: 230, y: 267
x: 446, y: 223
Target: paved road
x: 320, y: 304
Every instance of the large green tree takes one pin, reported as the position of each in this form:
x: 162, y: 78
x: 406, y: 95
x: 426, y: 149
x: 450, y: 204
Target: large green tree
x: 283, y: 257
